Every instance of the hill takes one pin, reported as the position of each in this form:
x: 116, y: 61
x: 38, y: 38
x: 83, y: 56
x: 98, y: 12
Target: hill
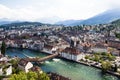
x: 68, y: 22
x: 102, y: 18
x: 105, y: 17
x: 116, y: 22
x: 18, y: 24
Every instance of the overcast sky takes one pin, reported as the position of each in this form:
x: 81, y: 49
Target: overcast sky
x: 54, y: 10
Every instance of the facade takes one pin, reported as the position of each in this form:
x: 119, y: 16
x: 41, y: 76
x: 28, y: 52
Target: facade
x: 114, y: 44
x: 48, y: 49
x: 72, y: 54
x: 25, y: 65
x: 8, y: 70
x: 1, y: 72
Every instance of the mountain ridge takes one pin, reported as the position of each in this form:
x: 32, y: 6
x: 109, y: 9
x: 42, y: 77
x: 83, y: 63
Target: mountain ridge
x: 68, y: 22
x: 102, y: 18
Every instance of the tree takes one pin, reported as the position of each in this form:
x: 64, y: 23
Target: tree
x: 96, y: 57
x: 117, y: 35
x: 72, y: 43
x: 43, y: 76
x: 32, y: 75
x: 86, y: 57
x: 29, y: 76
x: 3, y: 48
x: 105, y: 65
x: 111, y: 57
x: 115, y: 68
x: 1, y: 77
x: 14, y: 62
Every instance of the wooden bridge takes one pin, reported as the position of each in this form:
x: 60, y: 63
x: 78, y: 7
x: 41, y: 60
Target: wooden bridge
x: 41, y: 59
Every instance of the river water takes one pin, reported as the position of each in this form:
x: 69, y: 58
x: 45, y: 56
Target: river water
x: 64, y: 67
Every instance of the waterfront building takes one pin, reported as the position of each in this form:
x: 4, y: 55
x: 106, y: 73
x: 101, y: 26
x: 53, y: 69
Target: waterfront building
x: 49, y: 49
x: 72, y: 54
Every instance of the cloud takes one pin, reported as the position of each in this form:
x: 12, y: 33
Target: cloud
x: 28, y: 13
x: 5, y: 12
x: 32, y: 10
x: 17, y: 14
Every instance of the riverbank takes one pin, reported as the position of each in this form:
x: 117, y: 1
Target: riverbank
x: 79, y: 62
x: 55, y: 76
x: 86, y: 64
x: 109, y: 72
x: 64, y: 67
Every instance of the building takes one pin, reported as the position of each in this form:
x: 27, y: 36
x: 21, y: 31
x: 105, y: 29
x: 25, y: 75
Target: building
x: 6, y: 70
x: 25, y: 65
x: 72, y: 54
x: 48, y: 49
x: 9, y: 70
x: 1, y: 72
x: 114, y: 44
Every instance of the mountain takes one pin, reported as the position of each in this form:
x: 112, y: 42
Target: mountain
x: 7, y: 21
x: 18, y: 24
x: 49, y: 20
x: 116, y: 21
x: 68, y: 22
x: 105, y: 17
x: 102, y: 18
x: 4, y: 21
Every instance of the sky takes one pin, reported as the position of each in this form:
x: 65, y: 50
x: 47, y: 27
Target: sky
x: 52, y: 11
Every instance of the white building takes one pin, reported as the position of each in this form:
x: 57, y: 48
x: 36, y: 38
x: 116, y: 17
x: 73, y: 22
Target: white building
x: 25, y: 65
x: 72, y: 54
x: 1, y: 72
x: 3, y: 59
x: 9, y: 70
x: 48, y: 49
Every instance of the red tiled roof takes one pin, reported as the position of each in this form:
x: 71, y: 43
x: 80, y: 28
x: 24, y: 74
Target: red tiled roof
x: 48, y: 46
x: 23, y: 62
x: 71, y: 51
x: 114, y: 44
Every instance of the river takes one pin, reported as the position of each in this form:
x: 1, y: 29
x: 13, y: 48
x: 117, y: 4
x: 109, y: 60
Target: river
x: 64, y: 67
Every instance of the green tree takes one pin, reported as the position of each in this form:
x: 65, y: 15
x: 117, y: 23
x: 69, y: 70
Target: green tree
x: 86, y: 57
x: 117, y: 35
x: 43, y: 76
x: 3, y: 48
x: 111, y: 57
x: 32, y: 75
x: 14, y: 62
x: 105, y: 65
x: 115, y: 68
x: 1, y: 77
x: 20, y: 76
x: 96, y: 57
x: 29, y: 76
